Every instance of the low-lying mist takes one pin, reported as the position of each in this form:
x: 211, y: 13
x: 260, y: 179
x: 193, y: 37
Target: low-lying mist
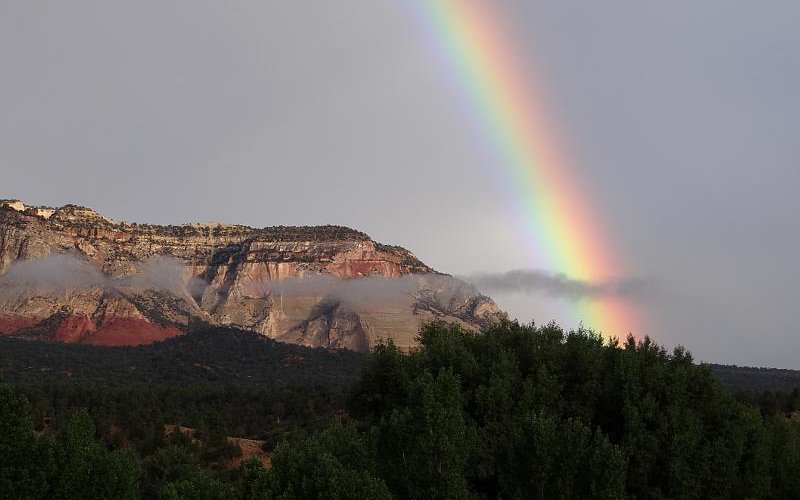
x: 67, y: 271
x: 560, y: 285
x: 57, y: 272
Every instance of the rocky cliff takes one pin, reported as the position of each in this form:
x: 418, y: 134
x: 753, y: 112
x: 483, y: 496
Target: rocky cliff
x: 71, y: 274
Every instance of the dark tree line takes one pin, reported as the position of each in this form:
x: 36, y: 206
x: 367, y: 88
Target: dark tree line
x: 516, y: 412
x: 524, y: 412
x: 741, y: 379
x: 207, y: 355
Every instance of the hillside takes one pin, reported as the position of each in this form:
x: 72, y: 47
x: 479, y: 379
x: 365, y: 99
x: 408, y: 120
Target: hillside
x: 756, y: 380
x: 238, y: 382
x: 208, y: 355
x: 231, y: 356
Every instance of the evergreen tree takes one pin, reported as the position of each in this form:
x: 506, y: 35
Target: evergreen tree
x: 199, y: 487
x: 83, y: 468
x: 24, y: 459
x: 423, y: 446
x: 308, y: 470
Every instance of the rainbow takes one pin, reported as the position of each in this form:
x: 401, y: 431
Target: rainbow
x: 552, y: 206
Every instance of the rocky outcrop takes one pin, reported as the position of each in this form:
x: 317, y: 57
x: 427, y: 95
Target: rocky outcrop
x: 71, y: 274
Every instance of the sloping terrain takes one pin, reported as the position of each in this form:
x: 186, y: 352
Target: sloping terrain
x: 756, y: 380
x: 224, y: 356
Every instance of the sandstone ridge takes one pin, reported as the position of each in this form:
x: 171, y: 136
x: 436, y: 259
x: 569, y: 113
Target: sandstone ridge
x: 71, y: 274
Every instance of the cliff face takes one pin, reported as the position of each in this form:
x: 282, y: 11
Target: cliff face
x: 71, y: 274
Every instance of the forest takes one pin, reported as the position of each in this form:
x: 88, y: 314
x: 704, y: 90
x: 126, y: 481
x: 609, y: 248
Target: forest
x: 515, y: 412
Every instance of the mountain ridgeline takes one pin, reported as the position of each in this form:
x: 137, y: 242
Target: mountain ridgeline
x: 73, y: 275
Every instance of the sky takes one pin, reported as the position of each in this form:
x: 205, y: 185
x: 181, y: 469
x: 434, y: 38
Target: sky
x: 680, y: 117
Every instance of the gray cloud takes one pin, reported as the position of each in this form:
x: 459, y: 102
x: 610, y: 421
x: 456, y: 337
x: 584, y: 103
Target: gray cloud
x: 161, y: 273
x: 561, y: 285
x: 57, y: 272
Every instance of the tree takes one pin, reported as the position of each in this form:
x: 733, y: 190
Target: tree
x: 423, y: 446
x: 383, y: 384
x: 199, y: 487
x: 540, y: 456
x: 170, y: 464
x: 24, y: 459
x: 84, y: 470
x: 784, y: 438
x: 254, y: 481
x: 308, y: 470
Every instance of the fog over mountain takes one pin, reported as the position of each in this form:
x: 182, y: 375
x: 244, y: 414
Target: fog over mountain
x: 680, y: 117
x: 73, y: 275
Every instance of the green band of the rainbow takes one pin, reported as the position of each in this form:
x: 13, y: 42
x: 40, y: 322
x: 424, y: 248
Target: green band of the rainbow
x: 552, y: 209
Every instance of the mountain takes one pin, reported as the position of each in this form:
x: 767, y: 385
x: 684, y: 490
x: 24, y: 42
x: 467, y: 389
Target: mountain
x: 73, y: 275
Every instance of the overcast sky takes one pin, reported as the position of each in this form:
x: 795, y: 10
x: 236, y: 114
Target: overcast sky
x: 682, y: 117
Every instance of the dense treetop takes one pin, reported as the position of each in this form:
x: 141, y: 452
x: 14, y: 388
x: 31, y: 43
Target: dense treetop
x: 515, y: 412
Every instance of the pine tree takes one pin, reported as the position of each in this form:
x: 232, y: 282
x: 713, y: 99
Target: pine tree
x: 24, y: 459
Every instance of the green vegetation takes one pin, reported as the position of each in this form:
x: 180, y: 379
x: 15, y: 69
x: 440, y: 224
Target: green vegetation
x: 517, y: 412
x: 740, y: 379
x: 207, y: 355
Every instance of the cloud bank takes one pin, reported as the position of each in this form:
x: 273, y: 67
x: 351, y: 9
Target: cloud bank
x: 57, y: 270
x: 560, y: 285
x: 60, y: 271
